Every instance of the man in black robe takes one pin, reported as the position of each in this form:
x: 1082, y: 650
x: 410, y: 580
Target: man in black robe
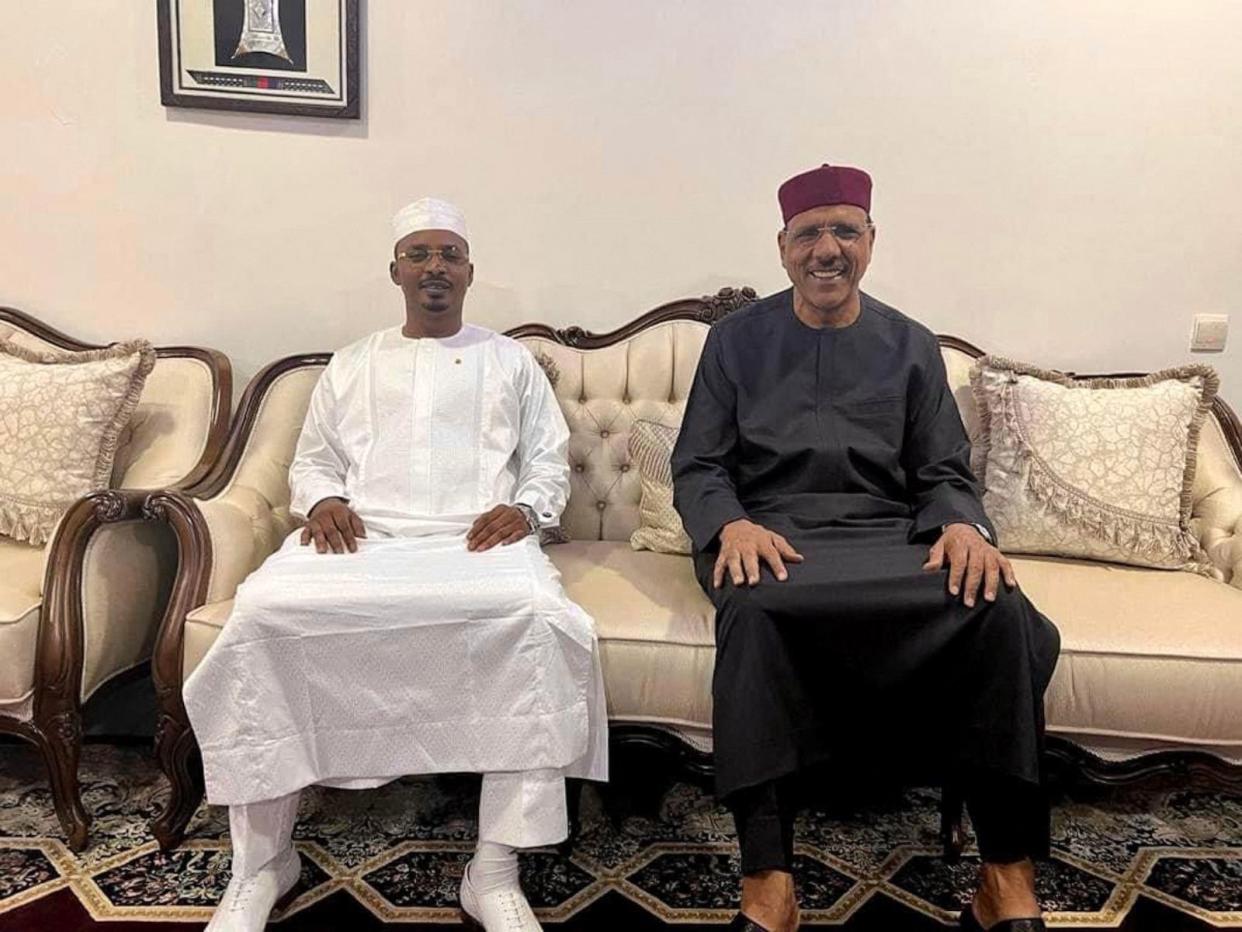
x: 822, y: 473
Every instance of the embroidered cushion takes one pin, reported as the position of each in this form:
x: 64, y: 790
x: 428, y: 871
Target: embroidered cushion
x: 659, y: 526
x: 1094, y: 468
x: 61, y: 417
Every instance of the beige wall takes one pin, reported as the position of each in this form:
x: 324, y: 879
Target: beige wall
x: 1058, y: 181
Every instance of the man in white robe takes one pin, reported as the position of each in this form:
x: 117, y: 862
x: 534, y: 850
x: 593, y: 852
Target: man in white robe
x: 413, y: 625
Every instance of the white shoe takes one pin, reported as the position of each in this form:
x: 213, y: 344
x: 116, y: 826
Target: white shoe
x: 502, y: 910
x: 247, y: 903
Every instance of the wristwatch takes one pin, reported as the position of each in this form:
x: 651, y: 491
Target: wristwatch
x: 532, y: 520
x: 983, y: 532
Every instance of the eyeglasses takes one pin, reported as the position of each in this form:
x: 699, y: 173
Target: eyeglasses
x: 421, y: 255
x: 844, y: 233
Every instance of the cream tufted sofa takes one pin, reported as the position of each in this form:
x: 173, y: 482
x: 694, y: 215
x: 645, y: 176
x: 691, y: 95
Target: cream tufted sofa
x: 83, y: 609
x: 1152, y: 660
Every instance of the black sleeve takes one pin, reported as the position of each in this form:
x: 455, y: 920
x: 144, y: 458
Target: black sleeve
x: 936, y: 453
x: 703, y: 489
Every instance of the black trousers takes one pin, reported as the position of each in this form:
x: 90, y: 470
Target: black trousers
x: 1010, y: 818
x: 859, y: 652
x: 861, y: 642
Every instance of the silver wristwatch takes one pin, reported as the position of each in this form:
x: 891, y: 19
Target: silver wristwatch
x: 983, y: 532
x: 532, y: 520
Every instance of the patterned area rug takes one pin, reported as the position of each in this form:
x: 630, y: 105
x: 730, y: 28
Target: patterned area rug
x: 1168, y: 859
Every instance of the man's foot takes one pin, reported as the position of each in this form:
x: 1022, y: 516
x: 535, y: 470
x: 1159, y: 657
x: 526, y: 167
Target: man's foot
x: 1006, y: 892
x: 769, y: 901
x: 501, y: 910
x: 247, y: 902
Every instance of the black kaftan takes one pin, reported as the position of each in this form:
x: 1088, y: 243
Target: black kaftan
x: 849, y: 443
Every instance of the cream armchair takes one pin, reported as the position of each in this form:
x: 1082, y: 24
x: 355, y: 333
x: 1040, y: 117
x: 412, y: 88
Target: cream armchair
x: 1150, y: 677
x: 83, y: 609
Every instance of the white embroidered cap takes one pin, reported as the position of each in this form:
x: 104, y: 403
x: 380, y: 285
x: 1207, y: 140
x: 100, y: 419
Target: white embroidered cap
x: 428, y: 213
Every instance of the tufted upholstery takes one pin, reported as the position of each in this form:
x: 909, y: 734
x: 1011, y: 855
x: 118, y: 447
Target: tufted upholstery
x: 1170, y: 676
x: 602, y: 392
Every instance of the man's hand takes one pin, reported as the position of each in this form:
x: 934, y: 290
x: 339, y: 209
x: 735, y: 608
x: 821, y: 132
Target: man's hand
x: 334, y: 526
x: 742, y: 544
x: 504, y: 524
x: 972, y: 560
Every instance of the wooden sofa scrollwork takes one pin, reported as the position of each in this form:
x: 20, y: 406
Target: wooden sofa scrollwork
x: 83, y: 609
x: 1156, y: 691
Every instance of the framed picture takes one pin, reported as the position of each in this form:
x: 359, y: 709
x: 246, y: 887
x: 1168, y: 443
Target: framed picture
x: 296, y: 57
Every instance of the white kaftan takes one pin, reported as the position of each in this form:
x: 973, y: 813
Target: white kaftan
x: 412, y: 655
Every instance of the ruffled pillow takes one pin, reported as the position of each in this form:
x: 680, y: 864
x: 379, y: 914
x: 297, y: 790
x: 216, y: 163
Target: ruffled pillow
x: 61, y: 419
x: 1099, y: 469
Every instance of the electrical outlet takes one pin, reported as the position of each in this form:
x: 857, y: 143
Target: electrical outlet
x: 1209, y: 332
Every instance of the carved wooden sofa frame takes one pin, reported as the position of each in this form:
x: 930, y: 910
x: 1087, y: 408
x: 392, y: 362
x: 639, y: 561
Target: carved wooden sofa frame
x: 53, y: 719
x: 684, y: 753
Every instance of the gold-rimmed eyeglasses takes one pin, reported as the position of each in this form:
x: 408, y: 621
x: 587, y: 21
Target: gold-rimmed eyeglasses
x: 846, y: 234
x: 421, y: 255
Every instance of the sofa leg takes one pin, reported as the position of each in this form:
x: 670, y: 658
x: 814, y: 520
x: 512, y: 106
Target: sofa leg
x: 177, y: 752
x: 952, y: 831
x: 60, y: 742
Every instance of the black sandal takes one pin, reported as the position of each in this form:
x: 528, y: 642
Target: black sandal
x: 969, y: 923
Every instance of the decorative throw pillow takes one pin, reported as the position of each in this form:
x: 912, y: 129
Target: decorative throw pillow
x: 1093, y: 468
x: 659, y: 528
x: 61, y: 415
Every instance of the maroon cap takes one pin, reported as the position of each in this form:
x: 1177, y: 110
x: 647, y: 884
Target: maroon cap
x: 822, y: 186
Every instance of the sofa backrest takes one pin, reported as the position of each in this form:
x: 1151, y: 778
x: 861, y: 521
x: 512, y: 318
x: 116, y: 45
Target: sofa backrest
x: 170, y: 430
x: 1216, y: 513
x: 602, y: 392
x: 182, y: 412
x: 644, y: 371
x: 253, y: 471
x: 645, y: 376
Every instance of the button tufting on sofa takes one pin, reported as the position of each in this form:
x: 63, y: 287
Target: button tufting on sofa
x: 1098, y: 697
x: 1169, y: 679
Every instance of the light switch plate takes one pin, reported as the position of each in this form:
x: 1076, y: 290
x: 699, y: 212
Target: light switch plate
x: 1209, y: 332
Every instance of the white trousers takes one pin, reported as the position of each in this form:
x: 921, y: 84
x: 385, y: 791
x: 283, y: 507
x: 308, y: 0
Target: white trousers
x: 525, y: 809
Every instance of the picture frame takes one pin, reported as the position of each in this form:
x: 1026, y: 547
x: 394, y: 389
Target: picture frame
x: 291, y: 57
